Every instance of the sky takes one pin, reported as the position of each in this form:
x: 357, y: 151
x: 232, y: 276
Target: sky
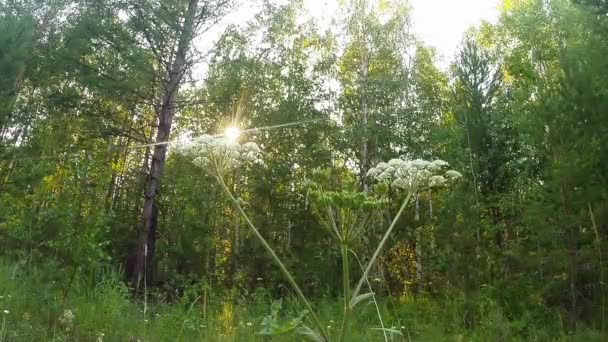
x: 439, y: 23
x: 442, y: 23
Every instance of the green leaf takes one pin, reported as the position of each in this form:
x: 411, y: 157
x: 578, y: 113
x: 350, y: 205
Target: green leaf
x: 309, y: 333
x: 360, y: 298
x: 271, y: 325
x: 392, y: 331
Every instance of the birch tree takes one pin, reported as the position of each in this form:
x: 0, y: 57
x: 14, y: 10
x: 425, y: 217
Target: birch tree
x: 373, y: 73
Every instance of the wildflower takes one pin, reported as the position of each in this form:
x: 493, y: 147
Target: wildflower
x: 259, y: 279
x: 377, y: 171
x: 6, y: 312
x: 346, y: 215
x: 436, y: 181
x: 410, y: 175
x: 67, y: 318
x: 218, y: 156
x: 439, y: 164
x: 397, y: 162
x: 251, y: 151
x: 249, y: 324
x: 451, y: 174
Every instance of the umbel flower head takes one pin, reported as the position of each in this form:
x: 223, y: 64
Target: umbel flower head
x: 345, y: 214
x: 219, y: 156
x: 67, y: 318
x: 412, y: 175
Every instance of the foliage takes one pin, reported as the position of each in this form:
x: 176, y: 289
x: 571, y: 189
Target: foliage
x: 98, y: 307
x: 514, y: 249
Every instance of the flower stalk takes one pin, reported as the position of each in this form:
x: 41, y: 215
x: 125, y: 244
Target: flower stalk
x: 276, y: 259
x: 369, y: 286
x: 346, y: 214
x: 371, y: 262
x: 346, y: 289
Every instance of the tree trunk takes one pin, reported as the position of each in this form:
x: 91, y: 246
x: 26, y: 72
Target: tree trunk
x: 572, y: 248
x: 572, y: 274
x: 235, y: 256
x: 143, y: 256
x: 113, y: 177
x: 364, y: 148
x: 419, y: 261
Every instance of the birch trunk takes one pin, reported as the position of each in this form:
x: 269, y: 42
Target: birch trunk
x: 364, y: 149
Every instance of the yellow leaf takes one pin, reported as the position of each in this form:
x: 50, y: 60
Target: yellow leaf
x: 383, y: 5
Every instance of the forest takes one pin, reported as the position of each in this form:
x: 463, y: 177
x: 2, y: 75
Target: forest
x: 301, y: 180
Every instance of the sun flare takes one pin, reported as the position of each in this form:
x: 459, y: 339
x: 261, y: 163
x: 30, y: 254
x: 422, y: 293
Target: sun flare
x: 232, y: 133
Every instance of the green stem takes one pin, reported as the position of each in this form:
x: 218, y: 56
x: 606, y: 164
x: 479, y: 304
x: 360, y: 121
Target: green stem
x: 181, y: 330
x: 276, y: 259
x: 2, y: 332
x: 346, y: 289
x: 374, y: 297
x: 380, y: 246
x: 599, y: 254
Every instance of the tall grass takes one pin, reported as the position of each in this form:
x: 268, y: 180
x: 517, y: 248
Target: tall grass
x: 103, y: 310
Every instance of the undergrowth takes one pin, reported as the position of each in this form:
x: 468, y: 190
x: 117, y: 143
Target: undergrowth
x: 43, y: 303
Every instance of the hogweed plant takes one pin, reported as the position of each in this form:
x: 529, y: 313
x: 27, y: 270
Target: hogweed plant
x: 410, y: 176
x: 220, y: 156
x: 347, y: 215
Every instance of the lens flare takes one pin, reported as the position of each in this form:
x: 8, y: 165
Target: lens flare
x: 232, y: 133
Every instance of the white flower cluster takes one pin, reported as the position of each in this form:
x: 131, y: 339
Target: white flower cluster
x: 411, y: 175
x: 67, y: 318
x: 218, y: 156
x: 453, y: 175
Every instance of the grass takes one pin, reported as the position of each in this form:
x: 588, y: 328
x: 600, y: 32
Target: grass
x: 98, y: 307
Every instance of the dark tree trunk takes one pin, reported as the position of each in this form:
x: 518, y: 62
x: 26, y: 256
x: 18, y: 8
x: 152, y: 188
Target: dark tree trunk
x: 572, y: 248
x: 142, y: 260
x: 572, y: 275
